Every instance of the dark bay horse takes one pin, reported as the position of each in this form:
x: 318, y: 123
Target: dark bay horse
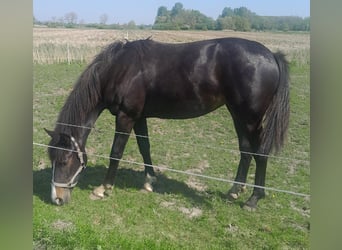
x: 141, y: 79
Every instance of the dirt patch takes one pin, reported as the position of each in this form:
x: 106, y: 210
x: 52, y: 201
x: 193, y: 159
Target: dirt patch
x: 195, y: 184
x: 200, y: 167
x: 193, y: 181
x: 62, y: 92
x: 62, y: 225
x: 168, y: 204
x: 39, y: 245
x: 191, y: 213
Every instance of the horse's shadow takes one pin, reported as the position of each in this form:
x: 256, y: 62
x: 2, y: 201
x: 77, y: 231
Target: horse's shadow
x: 126, y: 178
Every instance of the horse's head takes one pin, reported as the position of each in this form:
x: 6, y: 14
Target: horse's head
x: 67, y: 162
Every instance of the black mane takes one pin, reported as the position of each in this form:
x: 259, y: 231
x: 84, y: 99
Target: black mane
x: 86, y: 92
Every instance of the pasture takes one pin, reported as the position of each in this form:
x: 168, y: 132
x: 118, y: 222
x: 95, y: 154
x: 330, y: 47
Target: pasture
x: 185, y: 211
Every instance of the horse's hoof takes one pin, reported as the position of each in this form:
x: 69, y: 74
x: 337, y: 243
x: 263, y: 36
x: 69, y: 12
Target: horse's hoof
x: 94, y: 197
x: 149, y: 180
x: 234, y: 192
x: 251, y: 204
x: 148, y: 187
x: 99, y: 192
x: 233, y: 196
x: 108, y: 189
x: 249, y: 208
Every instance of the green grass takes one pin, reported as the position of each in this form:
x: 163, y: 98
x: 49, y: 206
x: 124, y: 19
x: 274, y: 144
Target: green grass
x: 166, y: 219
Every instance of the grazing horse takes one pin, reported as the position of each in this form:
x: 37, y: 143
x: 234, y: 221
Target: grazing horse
x: 141, y: 79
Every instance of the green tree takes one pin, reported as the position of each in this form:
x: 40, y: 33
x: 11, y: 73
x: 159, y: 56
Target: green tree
x: 240, y: 19
x: 243, y: 12
x: 306, y: 24
x: 241, y: 23
x: 180, y: 18
x: 70, y: 19
x: 131, y: 25
x: 225, y: 23
x: 176, y: 10
x: 163, y: 16
x: 162, y: 11
x: 227, y: 12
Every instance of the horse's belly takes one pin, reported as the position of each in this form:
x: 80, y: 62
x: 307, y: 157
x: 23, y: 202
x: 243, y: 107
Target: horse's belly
x: 181, y: 109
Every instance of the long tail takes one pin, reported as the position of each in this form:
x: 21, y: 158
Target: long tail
x: 276, y: 119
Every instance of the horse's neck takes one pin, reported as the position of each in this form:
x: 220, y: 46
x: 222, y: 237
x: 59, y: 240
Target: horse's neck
x: 87, y: 126
x: 80, y: 130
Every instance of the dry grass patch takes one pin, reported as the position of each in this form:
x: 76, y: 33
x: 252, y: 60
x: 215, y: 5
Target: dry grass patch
x: 81, y: 45
x: 62, y: 225
x: 190, y: 213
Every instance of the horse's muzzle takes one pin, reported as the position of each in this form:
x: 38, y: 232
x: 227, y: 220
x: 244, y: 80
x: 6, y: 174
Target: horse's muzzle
x: 59, y: 195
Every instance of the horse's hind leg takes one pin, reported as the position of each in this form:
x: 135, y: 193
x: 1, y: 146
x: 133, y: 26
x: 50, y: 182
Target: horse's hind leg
x: 260, y: 157
x: 260, y: 176
x: 245, y: 160
x: 141, y: 131
x: 249, y: 145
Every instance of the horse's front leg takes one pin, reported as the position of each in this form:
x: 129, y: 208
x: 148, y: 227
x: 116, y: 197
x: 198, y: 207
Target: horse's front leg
x: 124, y: 125
x: 141, y: 131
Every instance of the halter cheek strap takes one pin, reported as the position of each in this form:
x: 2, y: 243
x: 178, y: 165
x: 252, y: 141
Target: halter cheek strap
x: 72, y: 182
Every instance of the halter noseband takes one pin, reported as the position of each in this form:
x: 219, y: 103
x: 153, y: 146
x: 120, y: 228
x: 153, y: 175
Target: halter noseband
x: 71, y: 183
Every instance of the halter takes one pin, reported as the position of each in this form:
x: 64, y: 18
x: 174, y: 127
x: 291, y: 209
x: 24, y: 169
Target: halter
x: 71, y: 183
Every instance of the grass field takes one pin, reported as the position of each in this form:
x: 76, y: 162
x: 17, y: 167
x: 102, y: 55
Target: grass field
x: 185, y: 212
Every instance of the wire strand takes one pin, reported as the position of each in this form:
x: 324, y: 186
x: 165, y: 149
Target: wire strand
x: 181, y: 171
x: 206, y: 146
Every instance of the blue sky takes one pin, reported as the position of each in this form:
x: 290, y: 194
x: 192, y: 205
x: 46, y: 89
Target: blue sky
x: 144, y: 11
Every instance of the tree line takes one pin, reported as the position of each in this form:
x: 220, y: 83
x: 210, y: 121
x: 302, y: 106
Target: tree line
x: 70, y: 20
x: 178, y: 18
x: 238, y: 19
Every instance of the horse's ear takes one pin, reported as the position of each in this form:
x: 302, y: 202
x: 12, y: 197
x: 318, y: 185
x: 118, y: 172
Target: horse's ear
x: 50, y: 133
